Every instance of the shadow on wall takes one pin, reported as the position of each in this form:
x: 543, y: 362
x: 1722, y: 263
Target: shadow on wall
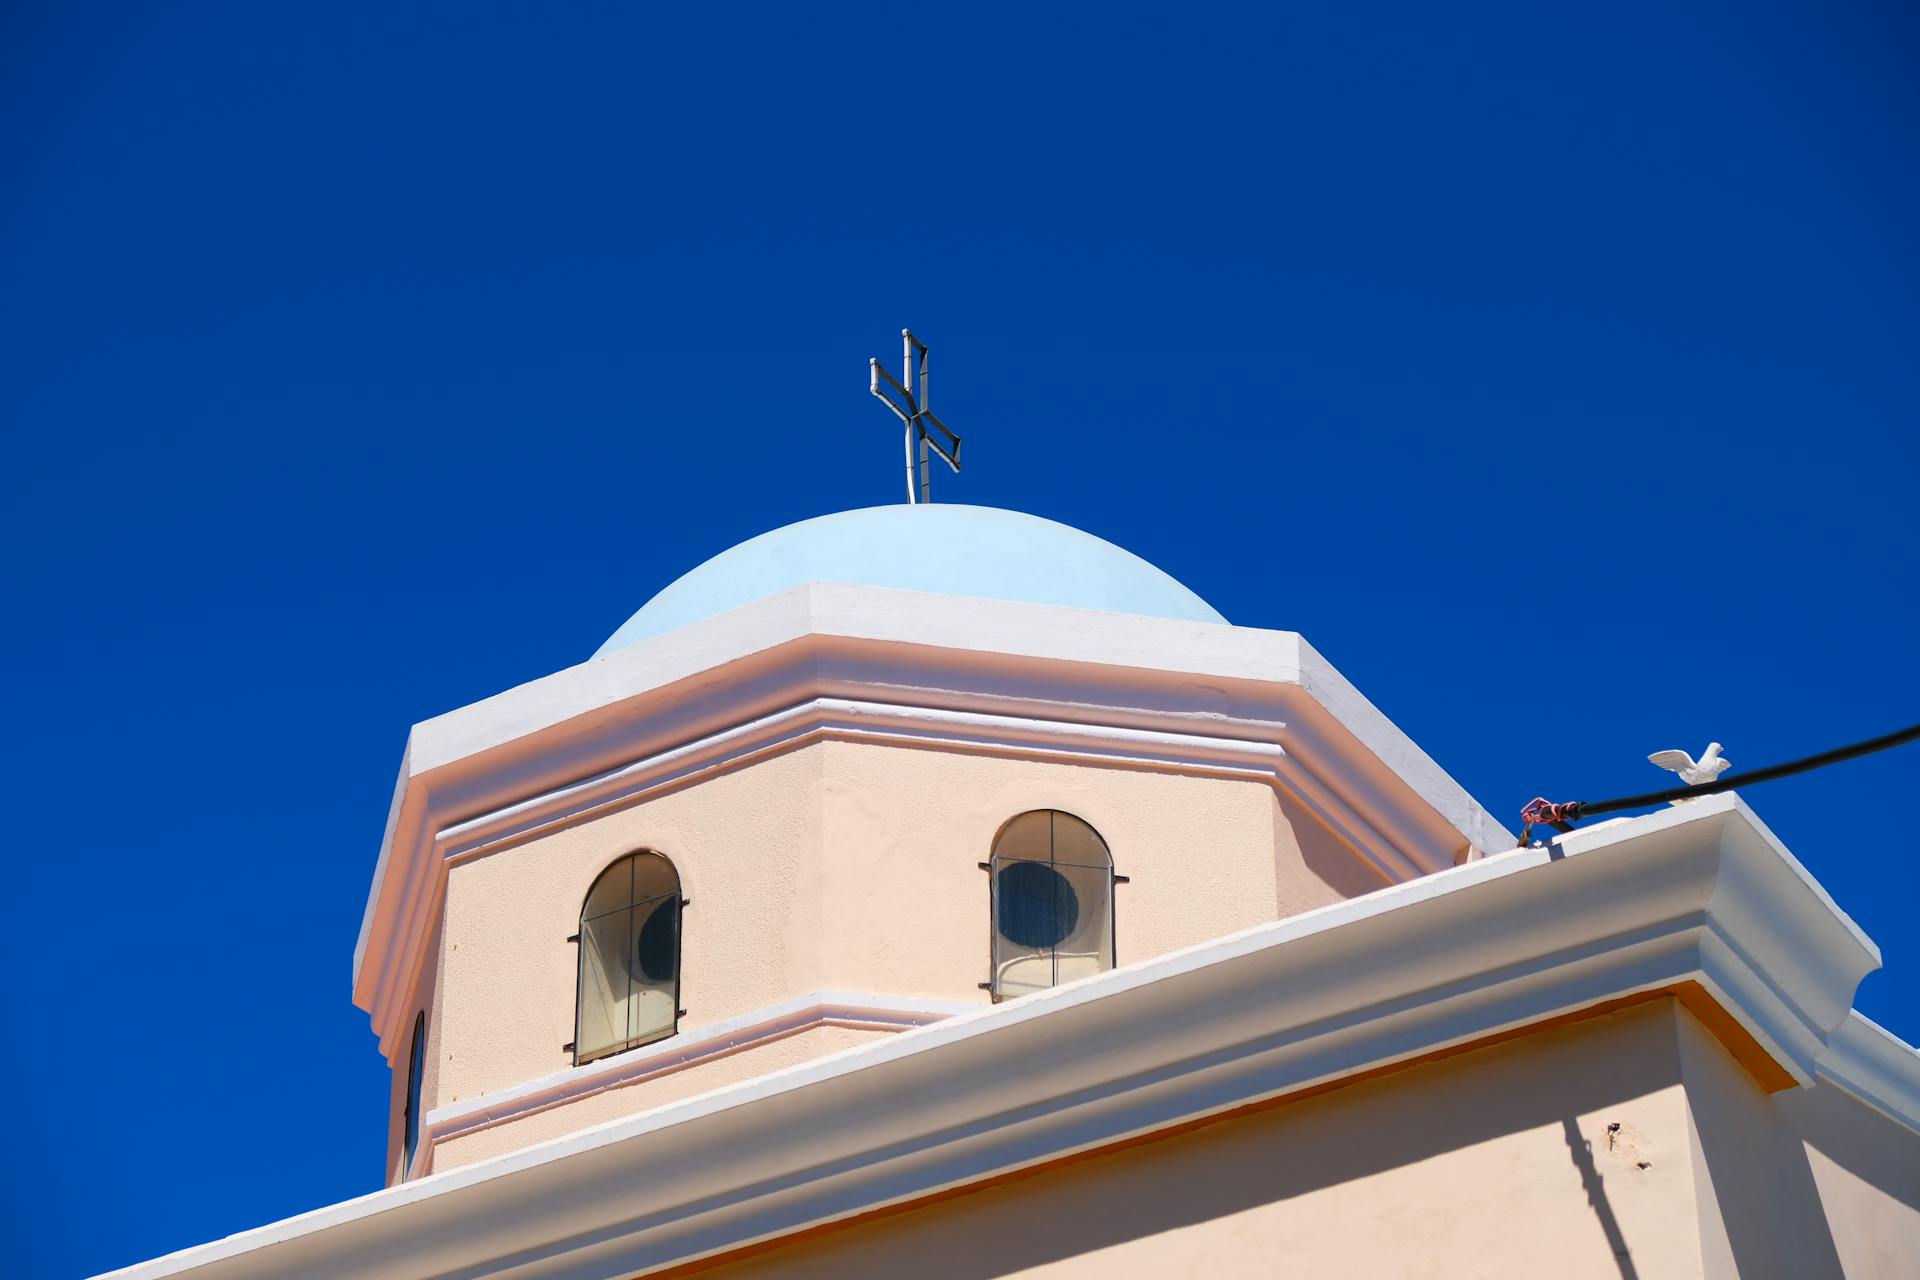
x: 1857, y: 1139
x: 1775, y: 1216
x: 1335, y: 865
x: 1596, y: 1190
x: 1857, y: 1157
x: 1346, y: 1136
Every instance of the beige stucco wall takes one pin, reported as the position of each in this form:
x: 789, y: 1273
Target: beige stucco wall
x: 745, y: 845
x: 845, y: 866
x: 1496, y: 1163
x: 904, y: 905
x: 1806, y: 1182
x: 1867, y: 1173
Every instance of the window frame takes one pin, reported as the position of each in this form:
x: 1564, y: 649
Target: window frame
x: 680, y: 903
x: 992, y: 867
x: 410, y: 1108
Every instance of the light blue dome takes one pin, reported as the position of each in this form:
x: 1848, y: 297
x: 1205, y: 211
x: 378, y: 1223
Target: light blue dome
x: 946, y: 548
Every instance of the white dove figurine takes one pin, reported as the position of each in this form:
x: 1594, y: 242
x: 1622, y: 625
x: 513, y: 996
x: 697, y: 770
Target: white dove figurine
x: 1694, y: 772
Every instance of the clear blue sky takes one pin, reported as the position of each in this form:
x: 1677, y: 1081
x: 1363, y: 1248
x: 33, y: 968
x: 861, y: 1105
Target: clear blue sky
x: 1554, y: 373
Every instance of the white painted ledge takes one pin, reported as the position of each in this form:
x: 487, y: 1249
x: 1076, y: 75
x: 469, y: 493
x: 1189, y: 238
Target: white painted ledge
x: 1701, y: 894
x: 689, y: 1048
x: 1866, y: 1060
x: 1016, y: 737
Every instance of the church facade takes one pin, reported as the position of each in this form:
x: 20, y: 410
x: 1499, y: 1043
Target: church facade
x: 941, y: 891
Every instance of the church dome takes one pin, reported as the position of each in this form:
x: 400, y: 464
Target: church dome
x: 945, y: 548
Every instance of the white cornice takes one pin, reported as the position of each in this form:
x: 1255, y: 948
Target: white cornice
x: 857, y: 662
x: 1877, y: 1067
x: 1699, y: 896
x: 846, y: 720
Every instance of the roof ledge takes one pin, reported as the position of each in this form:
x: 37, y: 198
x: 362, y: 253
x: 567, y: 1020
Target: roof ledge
x: 1866, y: 1060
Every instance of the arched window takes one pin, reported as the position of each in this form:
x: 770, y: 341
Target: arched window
x: 1052, y: 903
x: 629, y: 991
x: 416, y: 1071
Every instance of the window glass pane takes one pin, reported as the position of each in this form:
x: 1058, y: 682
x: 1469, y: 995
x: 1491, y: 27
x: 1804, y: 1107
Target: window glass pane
x: 416, y: 1073
x: 1052, y: 902
x: 656, y: 955
x: 1086, y: 943
x: 1019, y: 969
x: 606, y: 944
x: 1023, y: 974
x: 1030, y: 909
x: 629, y: 957
x: 1076, y: 842
x: 657, y: 940
x: 653, y: 877
x: 1033, y: 910
x: 613, y: 891
x: 1025, y: 837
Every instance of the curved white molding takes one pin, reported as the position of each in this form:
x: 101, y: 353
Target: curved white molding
x: 1866, y: 1060
x: 1015, y: 737
x: 1699, y: 897
x: 829, y: 661
x: 696, y: 1045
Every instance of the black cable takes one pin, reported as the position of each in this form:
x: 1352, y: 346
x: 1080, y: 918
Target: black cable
x: 1567, y: 813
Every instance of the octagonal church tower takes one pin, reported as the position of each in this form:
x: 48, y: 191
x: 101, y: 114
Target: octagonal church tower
x: 853, y: 777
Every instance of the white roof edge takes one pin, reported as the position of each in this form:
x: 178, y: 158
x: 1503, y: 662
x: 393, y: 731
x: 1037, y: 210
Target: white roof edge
x: 1872, y: 1064
x: 992, y: 626
x: 1449, y: 959
x: 1796, y: 867
x: 386, y: 853
x: 852, y: 612
x: 1401, y: 753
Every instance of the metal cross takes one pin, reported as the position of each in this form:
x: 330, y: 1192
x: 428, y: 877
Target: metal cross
x: 915, y: 415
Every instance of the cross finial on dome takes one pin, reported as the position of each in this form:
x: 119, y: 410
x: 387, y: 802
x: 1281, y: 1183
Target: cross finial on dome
x: 916, y: 414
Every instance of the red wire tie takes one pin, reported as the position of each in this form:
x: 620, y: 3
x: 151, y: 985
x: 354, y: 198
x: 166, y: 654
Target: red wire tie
x: 1542, y: 812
